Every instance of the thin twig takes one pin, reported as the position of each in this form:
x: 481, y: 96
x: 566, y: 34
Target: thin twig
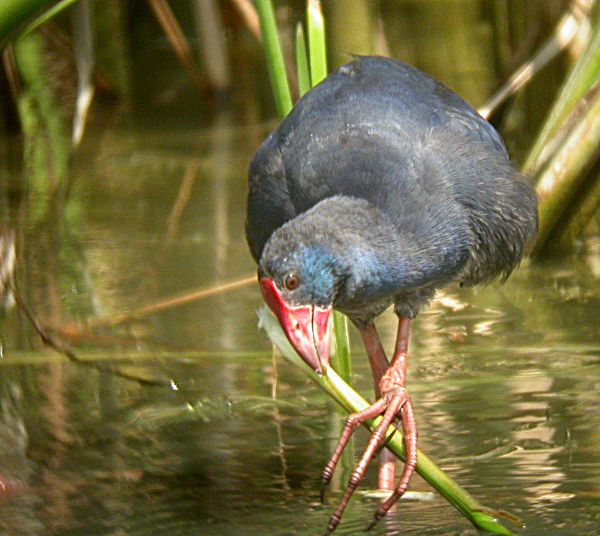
x: 83, y: 48
x: 178, y: 41
x: 183, y: 198
x: 56, y: 344
x: 174, y: 301
x: 278, y: 423
x: 248, y: 13
x: 212, y: 43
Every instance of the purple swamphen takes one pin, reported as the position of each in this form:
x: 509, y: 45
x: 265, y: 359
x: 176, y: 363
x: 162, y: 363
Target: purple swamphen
x: 379, y: 187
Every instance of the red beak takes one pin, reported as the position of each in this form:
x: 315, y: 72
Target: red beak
x: 307, y: 327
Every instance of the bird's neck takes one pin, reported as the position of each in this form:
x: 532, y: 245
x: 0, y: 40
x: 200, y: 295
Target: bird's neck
x: 380, y: 258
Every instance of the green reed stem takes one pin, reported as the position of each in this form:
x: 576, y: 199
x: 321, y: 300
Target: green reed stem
x: 302, y: 61
x: 564, y: 174
x: 579, y: 81
x: 316, y: 41
x: 340, y: 356
x: 16, y: 14
x: 274, y: 57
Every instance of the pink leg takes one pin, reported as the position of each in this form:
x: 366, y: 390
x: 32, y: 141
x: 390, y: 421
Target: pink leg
x: 410, y: 442
x: 352, y: 423
x: 390, y: 405
x: 394, y: 401
x: 377, y: 359
x: 395, y: 378
x: 379, y: 364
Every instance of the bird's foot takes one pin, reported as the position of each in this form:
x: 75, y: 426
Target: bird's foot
x: 394, y: 402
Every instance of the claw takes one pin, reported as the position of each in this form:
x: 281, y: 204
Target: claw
x: 330, y: 467
x: 322, y: 495
x: 388, y: 406
x: 372, y: 523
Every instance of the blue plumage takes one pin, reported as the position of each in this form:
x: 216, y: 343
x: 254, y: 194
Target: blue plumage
x: 401, y: 184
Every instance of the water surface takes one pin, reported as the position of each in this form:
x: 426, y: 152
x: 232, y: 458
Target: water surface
x: 505, y: 379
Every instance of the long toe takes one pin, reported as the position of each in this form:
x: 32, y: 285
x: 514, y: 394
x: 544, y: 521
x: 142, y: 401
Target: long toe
x: 323, y: 490
x: 383, y: 509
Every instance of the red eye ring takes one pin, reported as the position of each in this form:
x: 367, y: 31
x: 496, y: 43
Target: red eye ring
x: 291, y: 281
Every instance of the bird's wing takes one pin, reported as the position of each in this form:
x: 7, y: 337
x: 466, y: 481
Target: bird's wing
x: 500, y: 203
x: 422, y: 102
x: 269, y: 205
x: 457, y: 116
x: 376, y: 129
x: 384, y: 89
x: 365, y: 132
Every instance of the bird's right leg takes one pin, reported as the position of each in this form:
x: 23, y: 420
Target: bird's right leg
x: 392, y: 384
x: 387, y: 461
x: 379, y: 364
x: 394, y: 402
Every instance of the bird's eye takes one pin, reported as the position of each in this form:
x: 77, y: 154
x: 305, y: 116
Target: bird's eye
x: 291, y: 281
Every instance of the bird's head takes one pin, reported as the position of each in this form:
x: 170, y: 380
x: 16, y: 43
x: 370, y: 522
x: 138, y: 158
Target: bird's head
x: 299, y: 280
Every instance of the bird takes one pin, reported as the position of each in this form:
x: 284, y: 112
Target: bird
x: 378, y: 188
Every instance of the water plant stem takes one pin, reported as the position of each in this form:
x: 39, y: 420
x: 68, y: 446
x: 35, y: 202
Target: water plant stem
x: 302, y: 61
x: 274, y: 56
x: 564, y: 174
x: 316, y: 41
x: 580, y: 79
x: 173, y: 301
x: 16, y: 14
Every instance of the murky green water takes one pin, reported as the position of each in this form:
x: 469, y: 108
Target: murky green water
x: 505, y: 380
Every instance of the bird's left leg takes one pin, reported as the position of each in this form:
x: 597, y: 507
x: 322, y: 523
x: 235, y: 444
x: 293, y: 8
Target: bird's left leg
x: 394, y: 400
x: 389, y: 408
